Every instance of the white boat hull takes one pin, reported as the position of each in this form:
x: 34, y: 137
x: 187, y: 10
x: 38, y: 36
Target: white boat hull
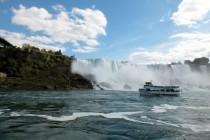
x: 157, y: 93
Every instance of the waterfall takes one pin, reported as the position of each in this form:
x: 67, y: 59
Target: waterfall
x: 116, y: 75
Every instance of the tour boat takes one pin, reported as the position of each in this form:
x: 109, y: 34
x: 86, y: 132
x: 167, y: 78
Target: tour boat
x: 151, y: 90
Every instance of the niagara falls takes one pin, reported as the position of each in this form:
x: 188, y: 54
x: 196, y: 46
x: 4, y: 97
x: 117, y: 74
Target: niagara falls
x: 116, y: 75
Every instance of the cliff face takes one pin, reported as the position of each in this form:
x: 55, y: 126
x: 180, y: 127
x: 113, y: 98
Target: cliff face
x: 29, y: 68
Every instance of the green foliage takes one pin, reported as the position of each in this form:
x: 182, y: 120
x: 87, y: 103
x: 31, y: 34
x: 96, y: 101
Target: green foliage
x: 29, y: 67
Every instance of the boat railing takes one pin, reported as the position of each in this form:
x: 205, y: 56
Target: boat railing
x: 152, y: 86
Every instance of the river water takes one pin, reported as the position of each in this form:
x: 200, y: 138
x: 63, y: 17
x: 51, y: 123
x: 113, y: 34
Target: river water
x: 103, y: 115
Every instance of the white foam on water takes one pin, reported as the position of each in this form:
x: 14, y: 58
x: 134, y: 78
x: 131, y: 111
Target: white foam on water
x: 114, y: 115
x: 159, y: 122
x: 144, y: 117
x: 196, y: 107
x: 197, y: 128
x: 45, y: 97
x: 15, y: 114
x: 164, y: 107
x: 74, y: 116
x: 117, y: 115
x: 167, y: 106
x: 158, y: 109
x: 167, y: 123
x: 2, y: 111
x: 194, y: 127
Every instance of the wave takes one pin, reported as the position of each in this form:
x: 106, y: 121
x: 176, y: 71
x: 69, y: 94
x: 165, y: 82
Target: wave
x: 164, y: 107
x: 3, y: 110
x: 193, y: 127
x: 46, y: 97
x: 74, y: 116
x: 197, y: 128
x: 117, y: 115
x: 159, y: 122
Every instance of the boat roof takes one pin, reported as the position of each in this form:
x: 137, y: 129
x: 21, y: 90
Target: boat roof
x: 149, y: 84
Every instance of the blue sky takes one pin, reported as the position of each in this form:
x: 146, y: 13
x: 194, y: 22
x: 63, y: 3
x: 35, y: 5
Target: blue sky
x: 144, y: 31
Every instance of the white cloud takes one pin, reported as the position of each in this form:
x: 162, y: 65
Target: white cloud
x: 182, y: 46
x: 18, y: 39
x: 59, y: 7
x: 80, y: 27
x: 85, y: 49
x: 192, y: 35
x: 148, y: 57
x: 185, y: 45
x: 190, y: 12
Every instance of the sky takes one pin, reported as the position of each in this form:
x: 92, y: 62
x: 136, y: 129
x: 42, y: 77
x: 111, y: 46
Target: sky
x: 140, y: 31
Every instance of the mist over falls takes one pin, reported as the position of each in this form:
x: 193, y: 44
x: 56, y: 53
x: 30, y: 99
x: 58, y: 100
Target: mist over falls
x: 115, y: 75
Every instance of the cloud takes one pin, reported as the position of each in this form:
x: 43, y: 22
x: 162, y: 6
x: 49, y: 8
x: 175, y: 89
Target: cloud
x: 59, y: 7
x: 85, y: 49
x: 79, y: 27
x: 192, y: 35
x: 182, y: 46
x: 148, y: 57
x: 18, y: 39
x: 190, y: 12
